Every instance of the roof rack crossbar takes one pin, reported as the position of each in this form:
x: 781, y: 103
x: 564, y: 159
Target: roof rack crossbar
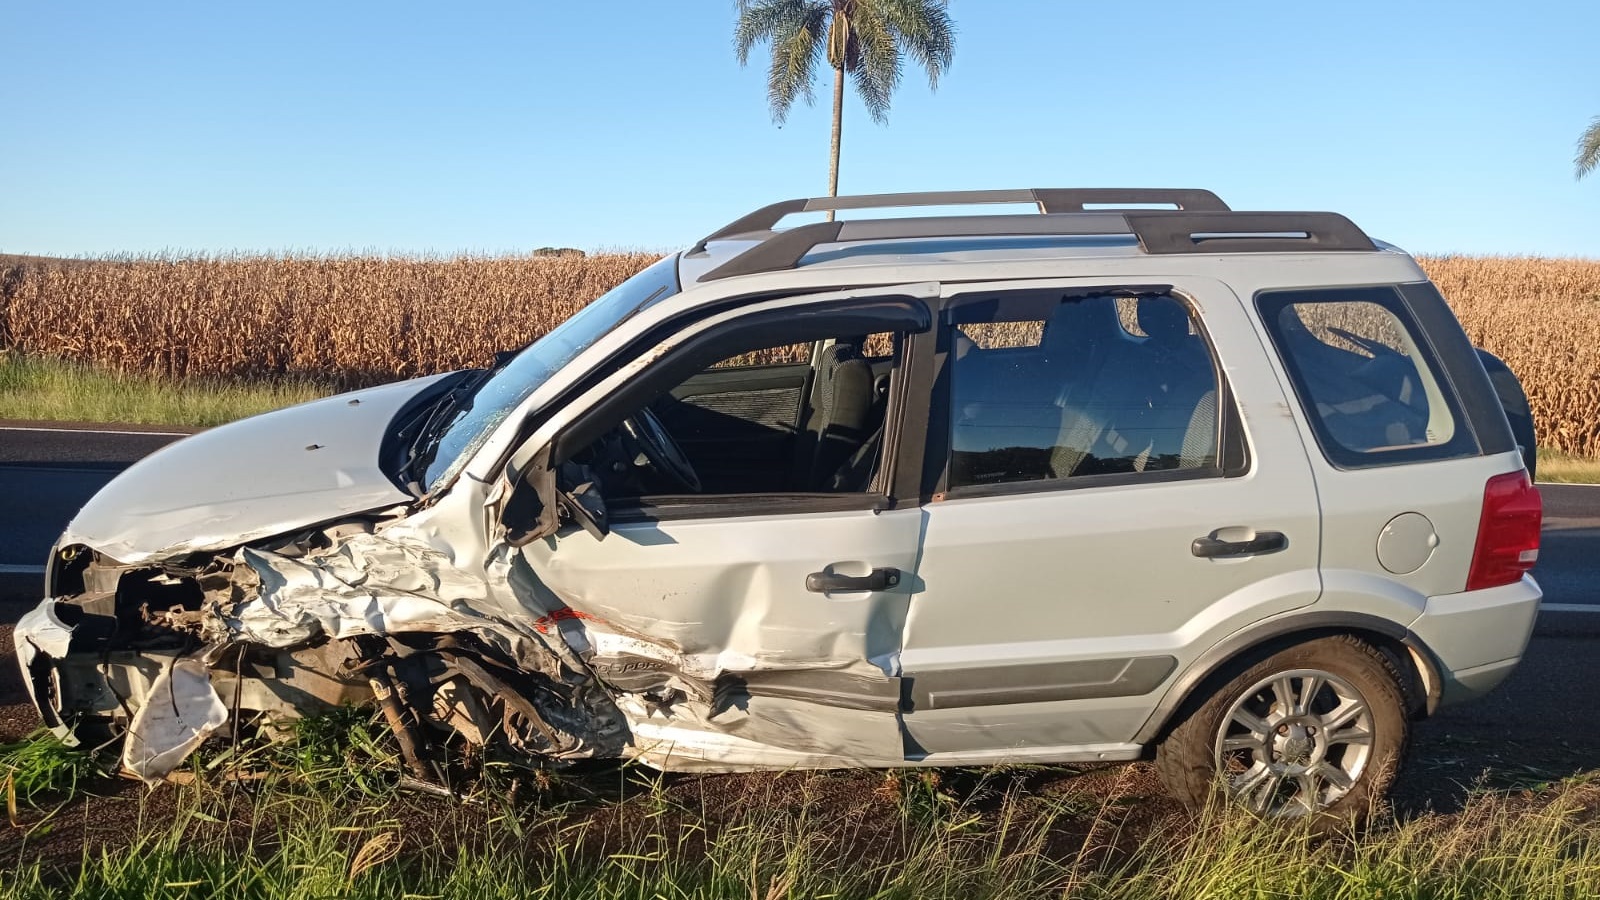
x: 1246, y: 232
x: 1049, y: 200
x: 785, y: 249
x: 1164, y: 232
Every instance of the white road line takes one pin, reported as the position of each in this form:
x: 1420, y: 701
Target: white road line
x: 95, y: 431
x: 1570, y: 607
x: 1565, y: 484
x: 9, y: 569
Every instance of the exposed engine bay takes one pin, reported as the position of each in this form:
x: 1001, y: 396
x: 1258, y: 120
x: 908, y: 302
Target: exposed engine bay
x: 165, y: 656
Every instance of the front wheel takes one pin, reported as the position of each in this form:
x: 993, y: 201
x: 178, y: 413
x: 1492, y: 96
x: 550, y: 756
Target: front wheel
x: 1314, y: 730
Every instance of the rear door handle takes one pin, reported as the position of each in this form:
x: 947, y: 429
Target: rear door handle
x: 1216, y: 545
x: 834, y: 583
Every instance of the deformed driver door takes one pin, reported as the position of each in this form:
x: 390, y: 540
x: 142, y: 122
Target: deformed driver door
x: 753, y: 629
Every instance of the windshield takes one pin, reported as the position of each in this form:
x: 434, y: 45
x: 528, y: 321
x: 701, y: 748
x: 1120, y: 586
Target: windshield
x: 480, y: 413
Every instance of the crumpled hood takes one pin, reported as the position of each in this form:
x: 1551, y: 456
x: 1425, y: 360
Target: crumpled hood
x: 250, y: 479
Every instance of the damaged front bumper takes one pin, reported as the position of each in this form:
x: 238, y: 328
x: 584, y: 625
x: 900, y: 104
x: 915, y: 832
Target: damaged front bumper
x: 165, y: 656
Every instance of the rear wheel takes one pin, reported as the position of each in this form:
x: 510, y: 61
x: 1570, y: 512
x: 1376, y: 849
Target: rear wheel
x: 1314, y: 730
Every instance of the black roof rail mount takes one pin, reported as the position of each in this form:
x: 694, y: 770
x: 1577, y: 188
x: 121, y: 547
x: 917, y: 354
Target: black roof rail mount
x: 1246, y: 232
x: 1049, y: 200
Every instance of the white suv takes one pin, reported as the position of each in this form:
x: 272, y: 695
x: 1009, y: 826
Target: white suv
x: 1231, y: 488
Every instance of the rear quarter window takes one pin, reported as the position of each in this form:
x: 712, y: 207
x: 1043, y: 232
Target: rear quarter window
x: 1365, y: 377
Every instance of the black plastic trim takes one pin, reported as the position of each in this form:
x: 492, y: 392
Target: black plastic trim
x: 665, y: 508
x: 1292, y: 624
x: 1246, y: 232
x: 1462, y: 366
x: 1035, y: 682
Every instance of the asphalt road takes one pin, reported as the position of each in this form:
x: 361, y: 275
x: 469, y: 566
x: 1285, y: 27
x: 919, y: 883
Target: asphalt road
x: 48, y: 471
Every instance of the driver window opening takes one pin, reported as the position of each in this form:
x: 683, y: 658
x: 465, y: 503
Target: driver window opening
x: 788, y: 418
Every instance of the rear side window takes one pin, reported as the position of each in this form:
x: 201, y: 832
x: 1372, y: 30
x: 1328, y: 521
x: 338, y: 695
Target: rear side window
x: 1365, y: 377
x: 1056, y: 389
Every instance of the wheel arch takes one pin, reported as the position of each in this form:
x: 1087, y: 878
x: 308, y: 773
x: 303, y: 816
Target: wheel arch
x: 1246, y: 647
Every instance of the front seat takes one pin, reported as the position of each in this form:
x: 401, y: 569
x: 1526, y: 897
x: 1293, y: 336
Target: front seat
x: 841, y: 413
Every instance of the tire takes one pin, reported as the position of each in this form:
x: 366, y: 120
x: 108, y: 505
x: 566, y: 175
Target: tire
x: 1273, y: 755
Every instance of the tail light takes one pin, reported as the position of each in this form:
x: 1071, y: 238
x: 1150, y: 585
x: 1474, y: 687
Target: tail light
x: 1508, y: 532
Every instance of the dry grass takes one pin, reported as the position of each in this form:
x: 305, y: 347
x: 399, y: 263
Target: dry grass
x: 1542, y: 316
x: 355, y: 320
x: 359, y: 320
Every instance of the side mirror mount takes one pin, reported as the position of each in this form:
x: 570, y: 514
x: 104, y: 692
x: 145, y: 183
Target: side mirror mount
x: 543, y: 494
x: 530, y: 511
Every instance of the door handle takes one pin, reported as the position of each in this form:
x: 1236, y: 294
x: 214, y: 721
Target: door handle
x: 1259, y: 542
x: 834, y: 583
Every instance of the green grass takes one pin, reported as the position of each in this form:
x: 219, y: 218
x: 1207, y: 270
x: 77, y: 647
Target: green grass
x: 1563, y: 468
x: 305, y: 826
x: 52, y: 390
x: 40, y: 769
x: 285, y: 840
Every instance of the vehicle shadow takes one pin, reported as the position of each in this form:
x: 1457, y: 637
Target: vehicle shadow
x: 1537, y: 729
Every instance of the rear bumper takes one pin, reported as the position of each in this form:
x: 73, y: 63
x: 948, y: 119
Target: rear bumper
x: 1478, y: 637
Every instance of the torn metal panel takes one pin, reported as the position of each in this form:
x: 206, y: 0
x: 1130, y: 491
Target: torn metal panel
x: 182, y: 710
x: 40, y: 636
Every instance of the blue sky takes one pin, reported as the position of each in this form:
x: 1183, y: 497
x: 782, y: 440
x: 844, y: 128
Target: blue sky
x: 500, y: 127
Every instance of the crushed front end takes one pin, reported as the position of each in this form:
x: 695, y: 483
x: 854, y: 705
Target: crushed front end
x: 166, y: 654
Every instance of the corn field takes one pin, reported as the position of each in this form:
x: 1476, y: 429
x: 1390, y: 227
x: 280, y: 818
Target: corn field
x: 356, y: 320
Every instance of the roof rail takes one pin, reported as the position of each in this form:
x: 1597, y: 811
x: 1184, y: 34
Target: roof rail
x: 1049, y: 200
x: 1246, y: 232
x: 1157, y: 232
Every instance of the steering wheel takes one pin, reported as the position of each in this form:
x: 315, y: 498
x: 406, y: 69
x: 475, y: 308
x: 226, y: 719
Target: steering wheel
x: 659, y: 447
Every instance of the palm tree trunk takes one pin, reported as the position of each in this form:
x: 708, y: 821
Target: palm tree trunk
x: 838, y: 122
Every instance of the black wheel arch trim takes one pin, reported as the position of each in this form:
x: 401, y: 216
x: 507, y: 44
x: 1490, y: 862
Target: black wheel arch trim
x: 1306, y: 626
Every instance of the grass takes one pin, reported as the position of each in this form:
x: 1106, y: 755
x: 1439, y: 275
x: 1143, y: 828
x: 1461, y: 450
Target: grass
x: 40, y: 769
x: 322, y: 817
x: 1564, y: 468
x: 35, y: 388
x: 309, y: 833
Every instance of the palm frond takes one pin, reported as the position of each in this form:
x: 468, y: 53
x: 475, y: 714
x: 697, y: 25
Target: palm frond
x: 877, y: 61
x: 1588, y: 149
x: 924, y: 30
x: 763, y: 20
x: 796, y: 48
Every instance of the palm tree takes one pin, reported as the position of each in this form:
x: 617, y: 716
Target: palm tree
x: 865, y: 39
x: 1588, y: 149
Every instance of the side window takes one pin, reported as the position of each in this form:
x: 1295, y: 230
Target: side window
x: 795, y: 410
x: 1366, y: 382
x: 1045, y: 388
